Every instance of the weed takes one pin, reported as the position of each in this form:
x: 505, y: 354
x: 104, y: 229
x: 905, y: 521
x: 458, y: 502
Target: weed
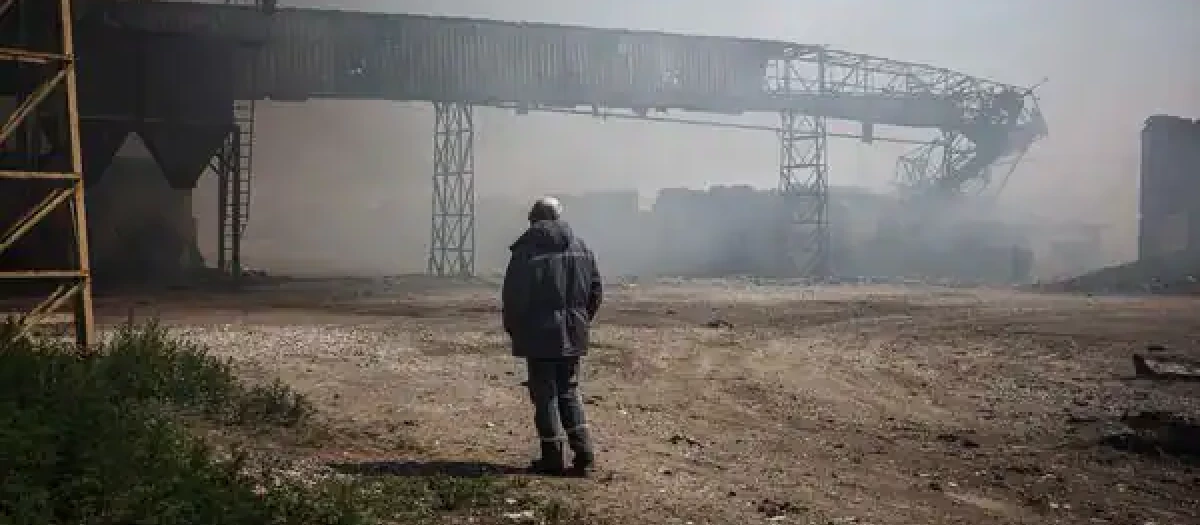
x: 99, y: 438
x: 95, y: 438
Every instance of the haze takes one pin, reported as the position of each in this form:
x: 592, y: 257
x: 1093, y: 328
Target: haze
x: 344, y: 187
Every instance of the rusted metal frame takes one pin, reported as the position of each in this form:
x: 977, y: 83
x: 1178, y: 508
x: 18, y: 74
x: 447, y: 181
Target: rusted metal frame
x: 39, y: 274
x: 79, y: 288
x: 31, y: 217
x: 8, y: 54
x: 30, y: 103
x: 85, y: 325
x: 52, y: 303
x: 39, y: 175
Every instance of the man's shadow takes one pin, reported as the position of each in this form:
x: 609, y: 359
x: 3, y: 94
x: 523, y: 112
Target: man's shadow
x: 414, y: 469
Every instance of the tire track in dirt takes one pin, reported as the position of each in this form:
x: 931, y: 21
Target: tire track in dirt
x: 892, y: 409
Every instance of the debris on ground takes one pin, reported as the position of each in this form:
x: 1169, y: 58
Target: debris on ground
x: 892, y: 404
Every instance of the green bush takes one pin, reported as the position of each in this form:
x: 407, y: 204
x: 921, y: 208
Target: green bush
x: 95, y: 438
x: 100, y: 439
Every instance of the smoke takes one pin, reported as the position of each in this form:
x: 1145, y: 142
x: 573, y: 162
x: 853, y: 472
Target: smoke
x: 344, y: 187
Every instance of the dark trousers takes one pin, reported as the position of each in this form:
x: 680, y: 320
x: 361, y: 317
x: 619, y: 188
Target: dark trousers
x: 554, y: 390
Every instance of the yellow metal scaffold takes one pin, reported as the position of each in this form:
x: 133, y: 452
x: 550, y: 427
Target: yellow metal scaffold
x: 54, y: 94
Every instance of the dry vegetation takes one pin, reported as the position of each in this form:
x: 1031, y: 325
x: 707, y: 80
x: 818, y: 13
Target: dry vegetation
x: 729, y: 402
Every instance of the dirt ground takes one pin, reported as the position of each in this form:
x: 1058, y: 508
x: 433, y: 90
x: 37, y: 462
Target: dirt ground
x: 829, y: 404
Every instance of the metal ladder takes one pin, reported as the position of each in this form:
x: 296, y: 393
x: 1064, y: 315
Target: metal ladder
x: 236, y: 189
x: 243, y: 118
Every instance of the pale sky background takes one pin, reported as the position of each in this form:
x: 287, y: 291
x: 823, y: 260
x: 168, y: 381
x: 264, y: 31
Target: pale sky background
x: 1109, y: 65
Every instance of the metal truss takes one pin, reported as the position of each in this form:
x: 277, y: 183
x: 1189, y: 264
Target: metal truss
x: 804, y: 190
x: 238, y: 185
x: 232, y: 198
x: 452, y: 233
x: 954, y: 163
x: 982, y: 124
x: 53, y: 95
x: 942, y: 166
x: 803, y: 173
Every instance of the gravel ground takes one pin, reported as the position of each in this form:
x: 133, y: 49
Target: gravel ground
x: 736, y: 402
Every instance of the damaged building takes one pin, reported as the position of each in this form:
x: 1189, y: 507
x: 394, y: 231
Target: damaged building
x: 740, y: 230
x: 1169, y: 223
x: 1169, y: 217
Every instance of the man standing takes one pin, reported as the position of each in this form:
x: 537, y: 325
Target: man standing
x: 551, y: 294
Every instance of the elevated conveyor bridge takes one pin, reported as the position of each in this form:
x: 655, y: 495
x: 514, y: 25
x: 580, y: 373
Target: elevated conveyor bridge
x: 197, y: 57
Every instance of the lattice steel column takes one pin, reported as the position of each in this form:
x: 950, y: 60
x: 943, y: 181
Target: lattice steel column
x: 237, y: 176
x: 804, y: 187
x: 452, y: 235
x: 50, y: 110
x: 243, y: 120
x: 227, y: 164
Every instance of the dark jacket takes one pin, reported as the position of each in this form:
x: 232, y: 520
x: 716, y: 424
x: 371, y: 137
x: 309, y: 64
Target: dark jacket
x: 551, y: 292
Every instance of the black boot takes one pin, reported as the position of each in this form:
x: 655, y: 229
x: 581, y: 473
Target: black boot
x: 551, y: 463
x: 581, y: 446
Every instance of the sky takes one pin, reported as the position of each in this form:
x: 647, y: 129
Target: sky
x: 1106, y: 66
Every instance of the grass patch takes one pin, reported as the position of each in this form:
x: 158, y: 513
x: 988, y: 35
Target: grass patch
x: 100, y: 439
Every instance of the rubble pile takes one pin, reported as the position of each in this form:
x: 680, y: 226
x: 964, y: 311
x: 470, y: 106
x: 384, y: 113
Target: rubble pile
x: 725, y: 231
x: 1175, y: 275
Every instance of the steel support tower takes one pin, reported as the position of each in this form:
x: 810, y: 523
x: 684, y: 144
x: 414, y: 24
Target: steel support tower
x: 45, y: 125
x: 231, y: 202
x: 452, y: 233
x: 803, y: 171
x: 236, y: 157
x: 235, y: 167
x: 804, y: 189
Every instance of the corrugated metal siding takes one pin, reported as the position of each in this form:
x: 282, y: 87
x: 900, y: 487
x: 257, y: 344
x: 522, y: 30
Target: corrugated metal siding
x: 359, y: 55
x: 317, y: 53
x: 1170, y: 183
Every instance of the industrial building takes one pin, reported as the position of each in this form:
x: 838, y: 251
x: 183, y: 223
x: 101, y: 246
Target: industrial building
x: 1169, y: 205
x: 184, y: 77
x: 738, y: 230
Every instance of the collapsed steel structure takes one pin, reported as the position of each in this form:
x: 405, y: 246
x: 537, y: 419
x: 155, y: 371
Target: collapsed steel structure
x: 171, y: 72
